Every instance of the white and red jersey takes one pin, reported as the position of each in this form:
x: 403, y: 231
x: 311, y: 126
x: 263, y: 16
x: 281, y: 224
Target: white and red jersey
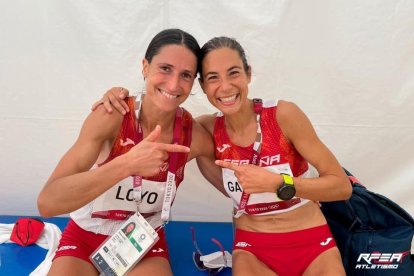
x: 277, y: 155
x: 120, y: 196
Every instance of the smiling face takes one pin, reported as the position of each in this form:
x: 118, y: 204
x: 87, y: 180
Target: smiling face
x: 170, y: 76
x: 224, y: 80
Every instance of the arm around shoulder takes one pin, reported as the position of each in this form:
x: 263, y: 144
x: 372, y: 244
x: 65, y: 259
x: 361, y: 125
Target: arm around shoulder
x: 207, y: 121
x: 202, y: 143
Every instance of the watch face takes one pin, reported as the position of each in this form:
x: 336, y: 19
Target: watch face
x: 286, y: 192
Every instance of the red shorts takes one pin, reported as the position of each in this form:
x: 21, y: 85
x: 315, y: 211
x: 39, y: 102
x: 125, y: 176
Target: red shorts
x: 286, y: 253
x: 79, y: 243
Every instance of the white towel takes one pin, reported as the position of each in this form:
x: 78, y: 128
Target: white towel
x: 48, y: 240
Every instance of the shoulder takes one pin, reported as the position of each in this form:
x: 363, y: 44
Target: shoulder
x: 186, y: 113
x: 187, y: 117
x: 102, y: 125
x: 293, y: 121
x: 287, y: 111
x: 286, y: 107
x: 207, y: 121
x: 102, y: 117
x: 201, y: 142
x: 199, y: 131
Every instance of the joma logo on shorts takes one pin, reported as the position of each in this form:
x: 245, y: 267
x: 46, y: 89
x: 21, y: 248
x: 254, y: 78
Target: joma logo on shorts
x: 243, y: 244
x: 66, y: 247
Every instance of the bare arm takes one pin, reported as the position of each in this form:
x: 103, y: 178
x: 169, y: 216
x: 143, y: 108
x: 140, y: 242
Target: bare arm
x: 114, y: 98
x: 202, y: 146
x: 202, y: 143
x: 332, y: 183
x: 72, y: 183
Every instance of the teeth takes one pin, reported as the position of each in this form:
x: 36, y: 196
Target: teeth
x: 169, y: 96
x: 228, y: 99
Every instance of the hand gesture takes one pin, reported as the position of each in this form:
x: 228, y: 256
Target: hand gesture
x: 114, y: 97
x: 252, y: 178
x: 147, y: 157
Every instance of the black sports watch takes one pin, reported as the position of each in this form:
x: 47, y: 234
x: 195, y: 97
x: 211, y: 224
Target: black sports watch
x: 287, y: 190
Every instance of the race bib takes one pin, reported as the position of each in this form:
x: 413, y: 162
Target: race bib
x: 235, y: 190
x: 118, y: 202
x: 258, y: 202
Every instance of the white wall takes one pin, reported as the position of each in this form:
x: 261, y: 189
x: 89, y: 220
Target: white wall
x: 348, y: 64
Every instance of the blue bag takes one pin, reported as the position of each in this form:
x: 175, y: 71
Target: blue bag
x: 372, y: 232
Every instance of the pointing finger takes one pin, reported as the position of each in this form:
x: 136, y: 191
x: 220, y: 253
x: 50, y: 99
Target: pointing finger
x: 227, y: 165
x: 96, y: 104
x: 173, y: 147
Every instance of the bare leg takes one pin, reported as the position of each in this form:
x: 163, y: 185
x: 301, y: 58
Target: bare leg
x: 152, y: 266
x: 327, y: 263
x: 245, y: 263
x: 68, y: 266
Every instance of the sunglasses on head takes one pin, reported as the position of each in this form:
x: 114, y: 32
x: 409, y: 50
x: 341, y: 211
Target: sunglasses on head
x: 212, y: 263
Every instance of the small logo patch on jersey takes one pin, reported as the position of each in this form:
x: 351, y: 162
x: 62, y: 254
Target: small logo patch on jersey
x: 126, y: 142
x: 164, y: 167
x: 243, y: 244
x: 223, y: 147
x: 67, y: 247
x: 158, y: 250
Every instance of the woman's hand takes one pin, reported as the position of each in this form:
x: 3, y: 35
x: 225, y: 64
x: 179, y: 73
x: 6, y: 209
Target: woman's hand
x: 149, y: 156
x: 114, y: 97
x: 253, y: 179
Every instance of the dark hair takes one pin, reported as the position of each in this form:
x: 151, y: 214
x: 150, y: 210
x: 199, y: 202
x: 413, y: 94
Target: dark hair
x: 222, y: 42
x: 171, y: 36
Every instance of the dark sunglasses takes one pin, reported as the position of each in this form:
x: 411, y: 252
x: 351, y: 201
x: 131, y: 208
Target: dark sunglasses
x: 197, y: 254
